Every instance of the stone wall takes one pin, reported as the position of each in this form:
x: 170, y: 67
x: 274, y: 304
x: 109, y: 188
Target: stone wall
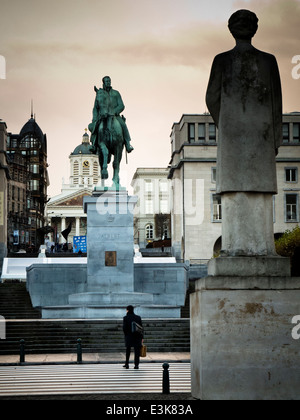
x: 51, y: 285
x: 242, y: 346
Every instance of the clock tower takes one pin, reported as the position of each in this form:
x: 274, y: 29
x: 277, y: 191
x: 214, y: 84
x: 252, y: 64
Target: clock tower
x: 84, y: 165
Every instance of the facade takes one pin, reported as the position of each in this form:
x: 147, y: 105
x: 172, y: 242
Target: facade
x: 197, y: 208
x: 27, y: 187
x: 4, y: 178
x: 66, y: 209
x: 152, y: 212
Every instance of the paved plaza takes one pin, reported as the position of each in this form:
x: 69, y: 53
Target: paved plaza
x: 59, y: 375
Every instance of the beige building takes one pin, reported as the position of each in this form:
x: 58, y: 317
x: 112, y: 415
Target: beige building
x: 151, y: 218
x: 66, y: 209
x: 197, y: 209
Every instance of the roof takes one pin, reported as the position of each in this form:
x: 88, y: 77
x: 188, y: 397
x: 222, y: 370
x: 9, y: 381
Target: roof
x: 82, y: 149
x: 32, y: 128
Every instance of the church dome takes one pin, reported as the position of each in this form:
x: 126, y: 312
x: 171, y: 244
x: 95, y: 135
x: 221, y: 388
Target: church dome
x: 84, y: 147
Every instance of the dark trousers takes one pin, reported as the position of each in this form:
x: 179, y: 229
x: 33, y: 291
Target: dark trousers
x: 137, y: 350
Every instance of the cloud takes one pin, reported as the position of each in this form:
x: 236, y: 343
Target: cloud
x: 189, y: 44
x: 159, y: 55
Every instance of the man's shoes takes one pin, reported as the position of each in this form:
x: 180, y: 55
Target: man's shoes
x: 126, y: 366
x: 136, y: 367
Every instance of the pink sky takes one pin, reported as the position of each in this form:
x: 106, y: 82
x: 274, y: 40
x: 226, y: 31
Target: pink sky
x: 158, y: 54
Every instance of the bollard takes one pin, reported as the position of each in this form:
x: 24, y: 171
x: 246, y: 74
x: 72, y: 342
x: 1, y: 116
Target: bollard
x: 79, y: 351
x: 22, y: 351
x: 166, y: 379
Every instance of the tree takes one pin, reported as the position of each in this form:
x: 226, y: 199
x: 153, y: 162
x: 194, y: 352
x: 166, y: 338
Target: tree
x: 162, y: 221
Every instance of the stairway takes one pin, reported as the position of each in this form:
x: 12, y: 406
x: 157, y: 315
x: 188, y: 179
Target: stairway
x: 15, y: 302
x: 185, y: 310
x: 60, y: 336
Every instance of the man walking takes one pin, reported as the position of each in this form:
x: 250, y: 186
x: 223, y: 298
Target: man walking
x: 133, y: 336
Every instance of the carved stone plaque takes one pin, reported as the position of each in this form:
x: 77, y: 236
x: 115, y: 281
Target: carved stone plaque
x: 110, y: 258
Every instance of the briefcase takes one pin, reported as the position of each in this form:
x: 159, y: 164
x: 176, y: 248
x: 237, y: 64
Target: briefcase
x: 143, y: 351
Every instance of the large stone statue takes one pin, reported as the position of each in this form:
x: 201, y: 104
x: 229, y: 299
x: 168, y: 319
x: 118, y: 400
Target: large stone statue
x: 109, y: 129
x: 244, y: 99
x: 240, y: 313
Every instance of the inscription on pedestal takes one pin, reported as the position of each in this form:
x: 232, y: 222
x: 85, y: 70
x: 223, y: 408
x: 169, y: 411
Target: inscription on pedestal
x: 110, y: 258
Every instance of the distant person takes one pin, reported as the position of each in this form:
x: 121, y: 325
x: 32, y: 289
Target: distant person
x: 132, y: 339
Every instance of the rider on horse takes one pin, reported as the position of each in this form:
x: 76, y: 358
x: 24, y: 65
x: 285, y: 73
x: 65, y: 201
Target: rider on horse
x: 108, y: 105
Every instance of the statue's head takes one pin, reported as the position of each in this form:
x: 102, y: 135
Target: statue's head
x: 243, y: 24
x: 106, y: 81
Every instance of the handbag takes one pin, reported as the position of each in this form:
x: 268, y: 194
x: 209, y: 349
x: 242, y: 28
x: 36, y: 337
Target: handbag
x: 136, y: 328
x: 143, y: 352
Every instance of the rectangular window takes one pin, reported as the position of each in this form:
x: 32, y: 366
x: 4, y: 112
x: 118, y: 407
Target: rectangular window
x: 163, y: 186
x: 217, y: 208
x: 291, y: 207
x: 149, y: 207
x: 296, y: 132
x: 201, y: 132
x: 212, y: 132
x: 213, y: 175
x: 191, y: 133
x: 164, y: 206
x: 148, y: 186
x: 286, y: 132
x: 34, y: 168
x: 291, y: 174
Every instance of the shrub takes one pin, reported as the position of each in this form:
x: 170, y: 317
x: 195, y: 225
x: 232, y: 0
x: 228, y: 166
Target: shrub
x: 288, y: 243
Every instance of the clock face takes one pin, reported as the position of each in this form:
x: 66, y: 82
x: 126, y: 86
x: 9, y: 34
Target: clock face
x: 86, y: 163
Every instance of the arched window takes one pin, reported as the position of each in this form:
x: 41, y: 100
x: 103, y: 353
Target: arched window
x: 149, y: 231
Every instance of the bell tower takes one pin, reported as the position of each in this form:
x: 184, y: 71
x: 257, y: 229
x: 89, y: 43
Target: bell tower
x: 84, y: 166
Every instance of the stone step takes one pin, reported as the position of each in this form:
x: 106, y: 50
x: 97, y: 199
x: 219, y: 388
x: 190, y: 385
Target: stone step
x: 15, y: 302
x: 96, y: 298
x: 42, y: 336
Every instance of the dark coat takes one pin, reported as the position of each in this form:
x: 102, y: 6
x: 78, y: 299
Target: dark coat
x: 132, y: 339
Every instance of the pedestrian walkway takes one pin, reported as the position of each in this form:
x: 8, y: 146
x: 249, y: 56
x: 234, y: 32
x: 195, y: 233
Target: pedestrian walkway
x: 95, y: 358
x: 97, y: 378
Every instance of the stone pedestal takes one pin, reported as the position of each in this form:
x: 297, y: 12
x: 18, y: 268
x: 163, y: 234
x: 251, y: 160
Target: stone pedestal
x: 242, y: 346
x: 110, y: 252
x: 110, y: 245
x: 250, y: 266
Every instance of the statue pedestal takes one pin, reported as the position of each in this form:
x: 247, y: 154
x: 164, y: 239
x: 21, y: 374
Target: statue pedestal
x: 250, y: 266
x: 110, y: 245
x: 241, y: 337
x: 110, y: 251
